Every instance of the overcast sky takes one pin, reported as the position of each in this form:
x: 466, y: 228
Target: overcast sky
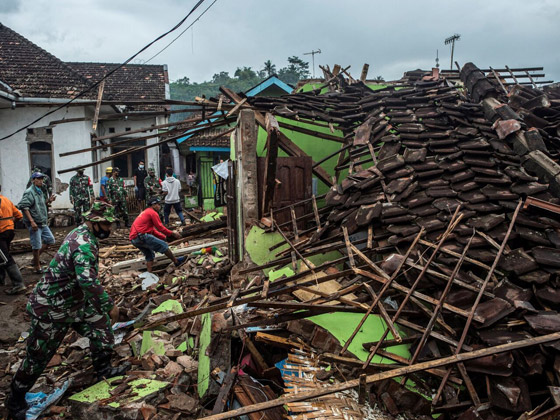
x: 391, y: 36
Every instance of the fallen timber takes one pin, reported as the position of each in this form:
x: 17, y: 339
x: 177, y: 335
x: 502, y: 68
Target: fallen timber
x: 462, y: 357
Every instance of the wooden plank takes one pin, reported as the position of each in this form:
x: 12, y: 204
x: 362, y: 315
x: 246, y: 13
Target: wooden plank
x: 237, y: 107
x: 272, y: 131
x: 279, y: 341
x: 283, y: 141
x: 134, y: 149
x: 224, y: 391
x: 365, y: 69
x: 377, y: 377
x: 140, y: 263
x: 98, y: 106
x: 179, y: 130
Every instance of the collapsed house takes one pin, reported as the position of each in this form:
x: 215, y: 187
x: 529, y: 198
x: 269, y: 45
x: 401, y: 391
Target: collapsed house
x: 424, y: 281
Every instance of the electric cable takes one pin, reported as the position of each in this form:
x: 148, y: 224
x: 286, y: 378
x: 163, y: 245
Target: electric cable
x: 178, y: 36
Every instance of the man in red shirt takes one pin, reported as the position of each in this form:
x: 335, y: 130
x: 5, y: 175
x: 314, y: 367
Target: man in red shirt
x: 148, y: 234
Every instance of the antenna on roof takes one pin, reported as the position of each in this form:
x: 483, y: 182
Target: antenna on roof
x: 451, y: 40
x: 437, y: 59
x: 312, y: 54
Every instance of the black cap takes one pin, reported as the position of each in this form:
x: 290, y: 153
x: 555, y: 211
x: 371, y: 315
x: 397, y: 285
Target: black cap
x: 154, y: 200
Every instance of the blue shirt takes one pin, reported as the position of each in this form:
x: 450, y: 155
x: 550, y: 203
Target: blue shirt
x: 103, y: 183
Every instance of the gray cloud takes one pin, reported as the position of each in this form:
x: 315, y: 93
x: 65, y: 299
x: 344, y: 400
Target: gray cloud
x: 9, y: 6
x: 391, y: 36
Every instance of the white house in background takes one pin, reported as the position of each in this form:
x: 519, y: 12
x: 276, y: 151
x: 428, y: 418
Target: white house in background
x: 33, y: 82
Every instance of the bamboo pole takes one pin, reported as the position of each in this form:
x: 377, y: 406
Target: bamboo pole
x: 475, y: 305
x: 405, y: 370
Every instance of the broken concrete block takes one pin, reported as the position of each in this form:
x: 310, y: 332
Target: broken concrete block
x: 172, y: 369
x: 540, y: 164
x: 173, y: 353
x: 182, y: 402
x: 188, y: 363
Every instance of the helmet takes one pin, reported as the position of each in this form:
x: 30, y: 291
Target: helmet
x: 154, y: 200
x: 37, y: 175
x: 100, y: 212
x: 109, y: 169
x: 151, y: 169
x: 116, y: 169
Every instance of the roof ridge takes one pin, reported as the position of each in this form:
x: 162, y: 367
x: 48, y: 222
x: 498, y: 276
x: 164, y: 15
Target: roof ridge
x: 113, y: 64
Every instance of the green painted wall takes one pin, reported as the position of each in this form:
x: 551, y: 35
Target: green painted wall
x: 315, y: 147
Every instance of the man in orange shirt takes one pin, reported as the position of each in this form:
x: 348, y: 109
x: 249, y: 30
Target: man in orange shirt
x: 9, y: 212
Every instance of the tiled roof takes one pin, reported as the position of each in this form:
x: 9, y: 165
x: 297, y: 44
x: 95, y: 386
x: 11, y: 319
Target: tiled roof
x: 131, y: 82
x: 33, y: 72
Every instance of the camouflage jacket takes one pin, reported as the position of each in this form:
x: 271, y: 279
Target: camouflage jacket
x: 115, y: 189
x: 152, y: 185
x: 81, y: 188
x: 47, y: 187
x: 71, y: 281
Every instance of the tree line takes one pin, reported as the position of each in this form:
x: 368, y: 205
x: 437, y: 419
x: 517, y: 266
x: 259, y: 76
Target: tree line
x: 242, y: 80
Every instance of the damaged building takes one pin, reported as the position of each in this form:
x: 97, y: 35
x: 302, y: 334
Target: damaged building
x: 415, y: 277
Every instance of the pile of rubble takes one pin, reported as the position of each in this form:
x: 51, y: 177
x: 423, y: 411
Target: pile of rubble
x: 425, y: 282
x: 434, y: 226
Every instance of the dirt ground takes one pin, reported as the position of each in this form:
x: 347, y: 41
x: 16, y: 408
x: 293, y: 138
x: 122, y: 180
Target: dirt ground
x: 13, y: 317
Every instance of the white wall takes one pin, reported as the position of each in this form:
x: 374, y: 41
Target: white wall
x: 15, y: 167
x: 120, y: 126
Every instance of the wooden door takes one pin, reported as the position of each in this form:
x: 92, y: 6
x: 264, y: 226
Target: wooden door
x: 294, y: 176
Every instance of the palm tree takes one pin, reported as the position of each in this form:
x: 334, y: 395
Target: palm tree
x: 269, y: 68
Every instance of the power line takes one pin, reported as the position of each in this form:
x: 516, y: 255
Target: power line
x: 178, y: 36
x: 82, y: 93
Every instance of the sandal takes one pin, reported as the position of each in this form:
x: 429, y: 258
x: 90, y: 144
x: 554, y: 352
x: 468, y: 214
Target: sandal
x: 16, y: 290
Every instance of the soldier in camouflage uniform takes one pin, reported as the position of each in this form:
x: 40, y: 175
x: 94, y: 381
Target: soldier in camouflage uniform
x: 69, y: 295
x: 152, y: 184
x: 116, y: 193
x: 47, y: 187
x: 153, y: 188
x: 81, y: 194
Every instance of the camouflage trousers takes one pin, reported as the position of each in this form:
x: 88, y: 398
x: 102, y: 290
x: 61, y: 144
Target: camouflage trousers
x: 46, y: 336
x: 121, y: 210
x: 80, y: 207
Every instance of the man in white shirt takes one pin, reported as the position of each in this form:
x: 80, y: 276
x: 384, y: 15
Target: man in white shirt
x: 171, y: 188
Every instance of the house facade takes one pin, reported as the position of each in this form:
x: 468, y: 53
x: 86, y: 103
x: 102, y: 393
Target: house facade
x: 34, y: 82
x: 209, y: 147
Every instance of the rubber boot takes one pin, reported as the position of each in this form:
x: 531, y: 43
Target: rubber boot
x: 17, y: 280
x: 16, y: 404
x: 102, y: 365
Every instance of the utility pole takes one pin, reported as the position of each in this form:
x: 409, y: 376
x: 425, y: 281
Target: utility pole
x: 451, y: 40
x: 312, y: 54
